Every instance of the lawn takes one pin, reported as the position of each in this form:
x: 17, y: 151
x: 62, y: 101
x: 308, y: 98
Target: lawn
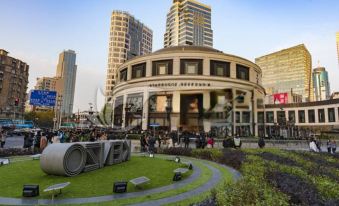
x: 95, y: 183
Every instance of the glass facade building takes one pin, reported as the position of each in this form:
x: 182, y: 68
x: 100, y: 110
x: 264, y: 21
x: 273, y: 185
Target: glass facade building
x: 128, y: 38
x: 67, y: 70
x: 188, y: 23
x: 321, y: 84
x: 288, y: 70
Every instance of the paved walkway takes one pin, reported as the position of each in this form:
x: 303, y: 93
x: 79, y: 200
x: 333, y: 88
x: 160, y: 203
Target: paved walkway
x: 212, y: 182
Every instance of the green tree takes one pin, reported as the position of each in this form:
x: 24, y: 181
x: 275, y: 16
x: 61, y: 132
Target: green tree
x: 43, y: 119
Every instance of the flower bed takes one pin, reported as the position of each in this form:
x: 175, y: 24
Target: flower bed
x: 273, y: 177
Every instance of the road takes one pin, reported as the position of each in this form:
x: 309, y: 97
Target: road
x: 14, y: 142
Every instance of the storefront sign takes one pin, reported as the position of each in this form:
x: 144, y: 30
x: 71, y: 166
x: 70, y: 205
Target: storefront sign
x: 181, y: 84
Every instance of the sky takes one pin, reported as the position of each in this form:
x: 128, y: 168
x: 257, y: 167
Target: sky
x: 36, y: 31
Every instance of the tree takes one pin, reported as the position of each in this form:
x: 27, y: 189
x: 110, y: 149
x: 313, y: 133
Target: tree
x: 43, y: 119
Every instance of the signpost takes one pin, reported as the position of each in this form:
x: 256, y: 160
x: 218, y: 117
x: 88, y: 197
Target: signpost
x: 43, y: 98
x: 154, y: 125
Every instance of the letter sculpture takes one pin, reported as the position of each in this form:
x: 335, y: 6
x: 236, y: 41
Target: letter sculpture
x: 70, y: 159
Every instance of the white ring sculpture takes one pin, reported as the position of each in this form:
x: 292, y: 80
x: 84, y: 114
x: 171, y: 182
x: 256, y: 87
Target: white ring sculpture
x: 70, y: 159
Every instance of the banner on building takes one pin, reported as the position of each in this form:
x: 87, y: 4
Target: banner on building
x: 280, y: 98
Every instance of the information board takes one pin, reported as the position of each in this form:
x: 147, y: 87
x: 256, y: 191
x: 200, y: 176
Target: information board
x: 43, y: 98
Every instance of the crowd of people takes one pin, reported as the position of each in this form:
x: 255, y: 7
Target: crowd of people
x: 163, y: 139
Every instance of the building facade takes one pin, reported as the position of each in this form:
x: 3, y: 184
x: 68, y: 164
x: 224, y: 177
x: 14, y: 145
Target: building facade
x: 321, y: 84
x: 286, y: 70
x: 188, y: 23
x: 298, y: 119
x: 45, y: 83
x: 128, y: 38
x: 66, y: 72
x: 337, y: 40
x: 188, y: 88
x: 13, y: 86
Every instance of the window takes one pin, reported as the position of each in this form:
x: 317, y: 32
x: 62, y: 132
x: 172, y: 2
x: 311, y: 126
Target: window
x: 123, y: 75
x: 246, y: 117
x: 138, y: 70
x: 311, y: 116
x: 191, y: 66
x: 331, y: 115
x: 281, y: 118
x: 261, y: 117
x: 164, y: 67
x: 270, y: 117
x: 218, y: 68
x: 237, y: 117
x: 301, y: 116
x: 321, y: 115
x: 291, y: 116
x: 243, y: 72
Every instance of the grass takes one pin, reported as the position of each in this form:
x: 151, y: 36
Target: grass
x: 95, y: 183
x: 205, y: 176
x: 226, y: 178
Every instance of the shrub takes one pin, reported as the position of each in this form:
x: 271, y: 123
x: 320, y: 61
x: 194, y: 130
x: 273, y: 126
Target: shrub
x: 179, y: 151
x: 233, y: 158
x: 15, y: 152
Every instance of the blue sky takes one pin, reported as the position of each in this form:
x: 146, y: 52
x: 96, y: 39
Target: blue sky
x: 36, y: 31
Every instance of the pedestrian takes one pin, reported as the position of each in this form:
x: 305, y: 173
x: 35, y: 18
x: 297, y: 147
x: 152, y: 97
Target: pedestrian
x: 3, y: 138
x: 237, y: 142
x: 210, y: 142
x: 203, y: 141
x: 36, y: 142
x: 313, y: 146
x: 333, y: 146
x: 151, y: 143
x: 186, y: 140
x: 56, y: 138
x: 329, y: 148
x: 43, y: 142
x: 261, y: 142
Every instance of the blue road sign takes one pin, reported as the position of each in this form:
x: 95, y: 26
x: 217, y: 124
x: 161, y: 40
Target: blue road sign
x: 154, y: 125
x: 43, y: 98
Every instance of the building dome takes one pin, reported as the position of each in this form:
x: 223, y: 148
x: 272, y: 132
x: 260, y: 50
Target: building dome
x: 187, y: 48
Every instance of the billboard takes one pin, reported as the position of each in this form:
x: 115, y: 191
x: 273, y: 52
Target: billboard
x: 280, y: 98
x: 43, y: 98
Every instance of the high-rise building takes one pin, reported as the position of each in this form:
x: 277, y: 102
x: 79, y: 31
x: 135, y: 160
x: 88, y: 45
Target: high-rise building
x: 13, y: 86
x: 45, y: 83
x: 128, y: 38
x: 288, y: 70
x: 337, y: 39
x: 188, y: 23
x: 66, y: 71
x: 321, y: 84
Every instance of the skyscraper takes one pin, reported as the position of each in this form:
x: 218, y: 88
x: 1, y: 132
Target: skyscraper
x: 66, y: 71
x: 286, y: 70
x: 321, y: 84
x: 337, y: 38
x: 128, y: 38
x: 188, y: 23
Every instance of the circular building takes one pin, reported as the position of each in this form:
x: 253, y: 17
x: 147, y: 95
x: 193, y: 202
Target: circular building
x: 188, y: 88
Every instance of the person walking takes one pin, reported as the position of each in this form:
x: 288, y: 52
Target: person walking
x: 328, y: 144
x: 237, y: 142
x: 210, y: 142
x: 261, y: 142
x: 313, y: 146
x: 43, y: 142
x: 186, y: 140
x: 3, y: 138
x: 333, y: 146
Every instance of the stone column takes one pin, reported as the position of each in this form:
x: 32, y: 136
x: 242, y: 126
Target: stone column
x: 124, y: 112
x: 206, y: 106
x: 175, y: 119
x: 145, y: 109
x: 176, y: 66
